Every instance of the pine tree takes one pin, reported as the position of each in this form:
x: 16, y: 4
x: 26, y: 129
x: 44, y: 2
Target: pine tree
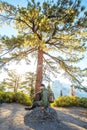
x: 55, y: 31
x: 12, y: 82
x: 30, y: 83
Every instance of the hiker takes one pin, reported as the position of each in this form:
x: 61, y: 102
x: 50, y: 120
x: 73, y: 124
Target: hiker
x: 41, y: 98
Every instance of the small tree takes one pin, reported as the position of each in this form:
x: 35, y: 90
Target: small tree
x: 61, y: 94
x: 2, y: 86
x: 48, y: 87
x: 30, y: 83
x: 13, y: 82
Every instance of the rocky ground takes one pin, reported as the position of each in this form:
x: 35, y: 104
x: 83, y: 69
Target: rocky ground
x: 12, y: 117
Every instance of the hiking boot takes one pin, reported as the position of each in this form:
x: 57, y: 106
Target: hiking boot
x: 28, y: 108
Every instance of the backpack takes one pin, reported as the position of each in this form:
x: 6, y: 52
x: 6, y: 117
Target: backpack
x: 51, y: 96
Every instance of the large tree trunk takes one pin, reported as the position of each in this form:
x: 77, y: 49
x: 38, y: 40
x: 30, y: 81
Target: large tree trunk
x: 39, y: 72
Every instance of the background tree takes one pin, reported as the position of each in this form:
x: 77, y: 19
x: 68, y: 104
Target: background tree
x: 61, y: 93
x: 13, y: 82
x: 49, y: 87
x: 29, y: 83
x: 2, y: 86
x: 72, y: 91
x: 55, y: 31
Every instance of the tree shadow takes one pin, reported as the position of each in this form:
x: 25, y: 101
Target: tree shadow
x: 49, y: 124
x: 8, y: 115
x: 73, y: 118
x: 79, y: 111
x: 66, y: 121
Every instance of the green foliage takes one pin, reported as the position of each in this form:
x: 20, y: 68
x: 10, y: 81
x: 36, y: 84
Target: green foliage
x: 1, y: 96
x: 69, y: 101
x: 2, y: 86
x: 49, y: 87
x: 17, y: 97
x: 12, y: 82
x: 22, y: 98
x: 15, y: 83
x: 8, y: 97
x: 83, y: 102
x: 30, y: 83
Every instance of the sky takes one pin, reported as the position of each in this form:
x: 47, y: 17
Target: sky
x: 7, y: 30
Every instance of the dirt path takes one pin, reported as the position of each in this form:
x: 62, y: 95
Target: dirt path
x: 12, y: 118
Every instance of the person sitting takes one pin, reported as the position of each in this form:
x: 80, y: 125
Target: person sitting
x: 42, y: 100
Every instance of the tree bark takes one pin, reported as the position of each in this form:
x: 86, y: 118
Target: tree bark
x: 39, y: 71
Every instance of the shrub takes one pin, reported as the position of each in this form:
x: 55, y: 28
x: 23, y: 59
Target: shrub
x: 8, y: 97
x: 69, y: 101
x: 1, y: 96
x: 83, y: 102
x: 22, y: 98
x: 18, y: 97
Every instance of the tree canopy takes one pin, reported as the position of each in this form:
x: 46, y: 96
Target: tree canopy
x: 56, y: 31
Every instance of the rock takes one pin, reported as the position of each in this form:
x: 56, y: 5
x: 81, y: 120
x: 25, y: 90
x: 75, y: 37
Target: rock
x: 39, y: 114
x: 46, y: 119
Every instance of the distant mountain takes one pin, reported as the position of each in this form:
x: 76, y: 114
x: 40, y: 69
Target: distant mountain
x: 57, y: 86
